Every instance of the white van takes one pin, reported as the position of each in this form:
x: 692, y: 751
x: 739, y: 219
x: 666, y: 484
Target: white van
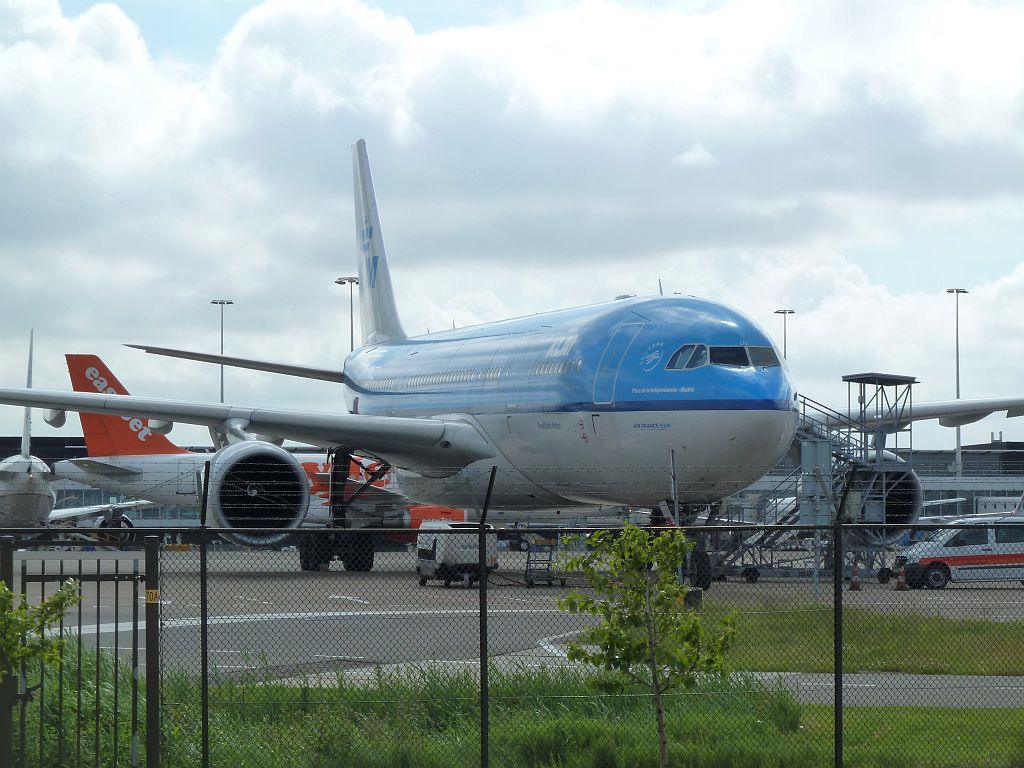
x: 991, y: 553
x: 447, y: 556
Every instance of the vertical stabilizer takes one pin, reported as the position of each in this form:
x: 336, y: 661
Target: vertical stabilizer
x: 112, y: 435
x: 26, y: 432
x: 377, y: 309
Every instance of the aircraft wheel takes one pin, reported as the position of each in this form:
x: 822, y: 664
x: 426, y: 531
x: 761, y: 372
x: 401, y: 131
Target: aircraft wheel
x: 524, y: 546
x: 359, y: 556
x: 751, y: 575
x: 700, y: 568
x: 884, y: 575
x: 937, y: 576
x: 308, y: 552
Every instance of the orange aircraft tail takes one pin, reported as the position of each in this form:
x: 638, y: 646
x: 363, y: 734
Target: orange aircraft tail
x: 112, y: 435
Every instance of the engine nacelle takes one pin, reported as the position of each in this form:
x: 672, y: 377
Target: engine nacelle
x: 254, y: 484
x: 114, y: 530
x: 888, y: 495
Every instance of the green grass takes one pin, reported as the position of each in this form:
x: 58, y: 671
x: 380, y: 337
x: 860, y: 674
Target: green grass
x: 539, y: 718
x: 799, y: 639
x: 555, y: 718
x: 544, y: 718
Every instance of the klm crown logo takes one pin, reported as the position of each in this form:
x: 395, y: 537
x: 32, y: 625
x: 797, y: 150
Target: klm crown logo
x: 372, y: 259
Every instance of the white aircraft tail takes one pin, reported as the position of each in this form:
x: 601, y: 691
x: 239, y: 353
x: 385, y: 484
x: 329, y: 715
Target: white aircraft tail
x: 377, y: 309
x: 26, y: 432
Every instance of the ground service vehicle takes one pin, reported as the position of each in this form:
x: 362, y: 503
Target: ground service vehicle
x: 450, y: 551
x: 985, y: 549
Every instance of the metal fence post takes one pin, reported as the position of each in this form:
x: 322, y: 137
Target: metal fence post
x: 9, y: 686
x: 152, y: 651
x: 837, y: 608
x: 485, y: 694
x: 204, y: 633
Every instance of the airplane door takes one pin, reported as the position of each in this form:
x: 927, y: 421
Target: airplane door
x: 608, y: 368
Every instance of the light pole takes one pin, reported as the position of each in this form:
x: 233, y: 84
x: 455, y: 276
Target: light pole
x: 222, y: 303
x: 350, y: 281
x: 958, y: 465
x: 784, y: 312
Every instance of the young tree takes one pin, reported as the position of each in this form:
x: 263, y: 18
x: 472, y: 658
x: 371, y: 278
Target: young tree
x: 23, y: 627
x: 646, y: 634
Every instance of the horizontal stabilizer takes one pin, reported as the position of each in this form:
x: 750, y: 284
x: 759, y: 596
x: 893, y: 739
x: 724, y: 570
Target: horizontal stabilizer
x: 304, y: 372
x: 94, y: 511
x: 103, y: 468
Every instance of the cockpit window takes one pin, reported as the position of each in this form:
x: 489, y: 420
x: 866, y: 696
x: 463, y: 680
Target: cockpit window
x: 678, y: 360
x: 698, y: 358
x: 690, y: 356
x: 735, y: 357
x: 763, y: 357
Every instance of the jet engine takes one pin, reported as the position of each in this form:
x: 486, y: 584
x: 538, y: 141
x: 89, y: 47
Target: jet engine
x: 254, y: 484
x: 114, y: 530
x: 887, y: 494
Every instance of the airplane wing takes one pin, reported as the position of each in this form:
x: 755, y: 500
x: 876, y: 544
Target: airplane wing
x: 73, y: 514
x: 950, y: 413
x: 435, y: 447
x: 323, y: 374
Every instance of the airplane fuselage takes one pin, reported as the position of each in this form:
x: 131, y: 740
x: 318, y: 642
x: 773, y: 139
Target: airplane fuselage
x: 587, y: 406
x: 26, y: 497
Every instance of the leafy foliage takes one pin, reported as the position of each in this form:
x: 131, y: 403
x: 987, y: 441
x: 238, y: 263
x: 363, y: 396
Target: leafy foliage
x: 646, y: 634
x: 23, y: 627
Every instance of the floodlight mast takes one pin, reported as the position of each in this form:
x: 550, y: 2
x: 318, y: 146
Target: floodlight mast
x: 958, y: 463
x: 222, y: 303
x: 784, y: 313
x: 350, y: 281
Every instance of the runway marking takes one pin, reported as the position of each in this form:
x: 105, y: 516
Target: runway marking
x: 245, y: 599
x: 349, y: 598
x: 547, y: 643
x: 340, y: 658
x: 251, y: 618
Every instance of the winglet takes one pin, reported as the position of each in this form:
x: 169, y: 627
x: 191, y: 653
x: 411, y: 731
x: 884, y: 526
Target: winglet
x: 377, y: 309
x: 112, y: 435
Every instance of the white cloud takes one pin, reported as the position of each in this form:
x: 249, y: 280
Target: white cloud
x: 527, y: 163
x: 696, y: 156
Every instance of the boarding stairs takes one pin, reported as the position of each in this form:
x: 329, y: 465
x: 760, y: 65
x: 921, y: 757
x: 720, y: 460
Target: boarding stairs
x: 779, y: 506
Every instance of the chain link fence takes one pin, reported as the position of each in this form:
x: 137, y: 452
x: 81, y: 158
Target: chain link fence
x: 842, y: 655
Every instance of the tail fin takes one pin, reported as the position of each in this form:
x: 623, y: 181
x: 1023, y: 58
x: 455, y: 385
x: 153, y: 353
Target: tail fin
x: 377, y: 308
x: 112, y: 435
x: 26, y: 432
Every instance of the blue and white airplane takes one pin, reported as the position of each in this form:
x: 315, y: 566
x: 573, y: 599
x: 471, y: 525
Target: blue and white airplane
x: 575, y: 407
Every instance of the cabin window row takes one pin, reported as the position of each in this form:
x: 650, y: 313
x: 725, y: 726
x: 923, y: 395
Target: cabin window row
x: 549, y: 368
x: 691, y: 356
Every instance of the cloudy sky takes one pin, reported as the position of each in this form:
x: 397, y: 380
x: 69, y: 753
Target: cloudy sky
x: 849, y: 160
